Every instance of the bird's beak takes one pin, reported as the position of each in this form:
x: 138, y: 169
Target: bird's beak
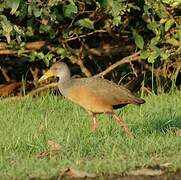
x: 48, y: 74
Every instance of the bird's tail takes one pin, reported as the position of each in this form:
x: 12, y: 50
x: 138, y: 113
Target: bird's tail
x: 138, y: 100
x: 135, y: 84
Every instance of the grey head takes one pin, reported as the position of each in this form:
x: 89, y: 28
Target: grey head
x: 60, y: 70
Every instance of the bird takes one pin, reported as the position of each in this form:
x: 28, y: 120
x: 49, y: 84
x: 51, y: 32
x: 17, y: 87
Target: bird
x: 95, y: 95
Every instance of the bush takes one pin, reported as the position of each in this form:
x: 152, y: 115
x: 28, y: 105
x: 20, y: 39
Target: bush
x: 94, y: 33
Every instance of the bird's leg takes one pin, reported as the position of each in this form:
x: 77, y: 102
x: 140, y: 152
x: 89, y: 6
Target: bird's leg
x: 122, y: 123
x: 94, y: 121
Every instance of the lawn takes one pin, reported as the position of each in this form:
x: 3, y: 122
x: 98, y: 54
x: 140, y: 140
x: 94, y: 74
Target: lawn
x: 27, y: 125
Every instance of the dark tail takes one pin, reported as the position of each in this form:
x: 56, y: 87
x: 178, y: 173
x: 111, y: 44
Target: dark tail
x: 138, y: 100
x: 135, y: 84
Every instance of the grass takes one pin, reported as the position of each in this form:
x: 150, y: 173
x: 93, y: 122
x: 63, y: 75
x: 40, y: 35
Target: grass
x: 27, y: 125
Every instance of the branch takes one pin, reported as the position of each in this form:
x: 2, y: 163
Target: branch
x: 85, y: 35
x: 128, y: 59
x: 48, y: 86
x: 4, y: 72
x: 78, y: 61
x: 5, y: 50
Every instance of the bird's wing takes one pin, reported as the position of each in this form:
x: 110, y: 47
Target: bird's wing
x: 107, y: 91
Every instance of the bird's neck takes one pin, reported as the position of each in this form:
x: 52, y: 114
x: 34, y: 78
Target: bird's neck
x: 65, y: 78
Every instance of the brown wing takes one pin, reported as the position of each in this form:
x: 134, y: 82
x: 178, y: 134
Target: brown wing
x: 108, y: 91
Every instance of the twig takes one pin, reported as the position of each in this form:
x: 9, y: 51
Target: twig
x: 133, y: 69
x: 35, y: 76
x: 48, y: 86
x: 121, y: 79
x: 88, y: 34
x: 78, y: 61
x: 177, y: 70
x: 4, y: 72
x: 10, y: 51
x: 128, y: 59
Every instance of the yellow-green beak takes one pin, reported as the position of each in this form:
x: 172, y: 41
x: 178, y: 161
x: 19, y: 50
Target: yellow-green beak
x: 48, y: 74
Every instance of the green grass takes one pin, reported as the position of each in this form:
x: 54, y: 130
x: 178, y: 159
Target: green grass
x: 27, y: 125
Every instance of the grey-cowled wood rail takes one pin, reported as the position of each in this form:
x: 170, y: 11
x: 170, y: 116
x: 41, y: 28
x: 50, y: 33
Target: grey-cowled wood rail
x: 96, y: 95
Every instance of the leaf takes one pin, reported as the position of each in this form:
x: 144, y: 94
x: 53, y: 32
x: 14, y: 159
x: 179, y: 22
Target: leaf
x: 63, y: 52
x: 72, y: 173
x: 86, y: 22
x: 168, y: 24
x: 153, y: 27
x: 7, y: 28
x: 37, y: 11
x: 173, y: 42
x: 70, y: 10
x: 155, y: 40
x: 144, y: 54
x: 118, y: 9
x: 45, y: 28
x: 178, y: 35
x: 106, y: 3
x: 139, y: 41
x: 153, y: 56
x: 47, y: 58
x: 164, y: 55
x: 13, y: 4
x: 117, y: 21
x: 21, y: 51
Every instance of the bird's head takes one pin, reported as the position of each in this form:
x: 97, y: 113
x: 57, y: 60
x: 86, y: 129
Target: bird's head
x: 57, y: 69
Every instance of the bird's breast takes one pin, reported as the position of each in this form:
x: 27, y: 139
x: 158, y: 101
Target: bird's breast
x: 87, y: 99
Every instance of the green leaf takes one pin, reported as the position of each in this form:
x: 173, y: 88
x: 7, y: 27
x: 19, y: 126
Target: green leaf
x: 63, y: 53
x: 45, y: 28
x: 40, y: 55
x: 30, y: 31
x: 13, y: 4
x: 36, y: 11
x: 139, y: 41
x: 153, y: 27
x: 47, y: 58
x: 86, y: 22
x: 164, y: 55
x: 106, y: 3
x: 21, y: 51
x: 155, y: 40
x: 178, y: 35
x: 7, y: 28
x: 173, y: 42
x: 70, y: 10
x: 117, y: 21
x: 153, y: 56
x: 168, y: 24
x: 144, y: 54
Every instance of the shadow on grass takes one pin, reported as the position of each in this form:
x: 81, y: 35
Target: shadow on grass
x: 165, y: 124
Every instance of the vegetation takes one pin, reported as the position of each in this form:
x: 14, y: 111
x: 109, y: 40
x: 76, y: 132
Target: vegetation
x: 116, y: 39
x: 28, y: 125
x: 92, y: 35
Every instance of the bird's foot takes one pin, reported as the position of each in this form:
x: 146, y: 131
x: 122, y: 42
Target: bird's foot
x: 94, y: 127
x: 125, y: 127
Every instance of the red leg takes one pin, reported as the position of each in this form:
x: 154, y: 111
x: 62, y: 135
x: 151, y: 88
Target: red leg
x: 94, y: 121
x: 122, y: 123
